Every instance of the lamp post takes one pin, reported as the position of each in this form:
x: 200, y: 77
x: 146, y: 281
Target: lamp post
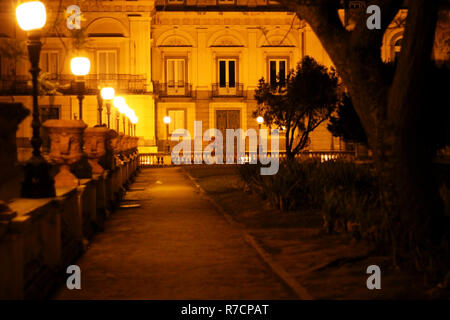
x: 134, y: 121
x: 118, y: 103
x: 107, y: 94
x: 167, y: 121
x: 130, y: 114
x: 260, y: 121
x: 124, y: 111
x: 80, y: 67
x: 99, y: 108
x: 38, y: 183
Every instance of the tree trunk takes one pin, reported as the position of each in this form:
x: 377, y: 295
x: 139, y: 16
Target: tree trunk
x: 391, y: 110
x: 404, y: 156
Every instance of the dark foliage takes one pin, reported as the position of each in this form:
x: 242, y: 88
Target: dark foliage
x: 299, y: 103
x: 346, y: 194
x: 346, y: 124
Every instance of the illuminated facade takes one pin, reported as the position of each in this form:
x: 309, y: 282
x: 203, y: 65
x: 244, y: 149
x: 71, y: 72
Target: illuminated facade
x: 187, y: 59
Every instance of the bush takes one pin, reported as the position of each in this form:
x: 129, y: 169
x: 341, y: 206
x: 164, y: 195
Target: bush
x: 345, y: 193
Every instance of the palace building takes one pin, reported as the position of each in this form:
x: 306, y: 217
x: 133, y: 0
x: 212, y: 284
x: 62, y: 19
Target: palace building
x: 190, y: 60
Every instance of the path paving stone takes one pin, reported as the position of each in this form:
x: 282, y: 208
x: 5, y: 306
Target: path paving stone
x: 175, y: 246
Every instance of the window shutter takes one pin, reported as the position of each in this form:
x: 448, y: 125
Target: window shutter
x: 232, y: 73
x: 222, y: 74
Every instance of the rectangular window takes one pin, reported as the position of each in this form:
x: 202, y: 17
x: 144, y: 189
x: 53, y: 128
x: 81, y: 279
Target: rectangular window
x: 49, y: 62
x: 177, y: 120
x: 277, y: 68
x: 49, y: 112
x: 227, y: 73
x: 106, y: 62
x: 176, y: 73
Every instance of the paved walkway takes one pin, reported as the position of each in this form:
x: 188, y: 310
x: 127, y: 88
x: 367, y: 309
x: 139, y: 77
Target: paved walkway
x: 176, y: 246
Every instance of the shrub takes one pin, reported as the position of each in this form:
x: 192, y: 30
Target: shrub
x: 345, y: 193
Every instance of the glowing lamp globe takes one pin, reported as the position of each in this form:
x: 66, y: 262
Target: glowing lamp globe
x: 80, y: 66
x: 166, y: 119
x: 124, y: 109
x: 118, y: 102
x: 31, y: 15
x: 129, y: 112
x: 134, y: 119
x: 260, y: 120
x: 107, y: 93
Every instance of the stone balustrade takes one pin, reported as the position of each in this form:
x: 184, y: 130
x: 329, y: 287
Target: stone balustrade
x: 40, y: 238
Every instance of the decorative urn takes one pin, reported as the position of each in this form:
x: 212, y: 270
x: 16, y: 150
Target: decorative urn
x: 65, y: 148
x: 111, y: 149
x: 94, y: 146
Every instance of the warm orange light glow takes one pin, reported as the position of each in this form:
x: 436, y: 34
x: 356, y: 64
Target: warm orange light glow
x: 134, y: 119
x: 123, y: 108
x: 31, y: 15
x: 129, y: 113
x: 118, y: 102
x: 107, y: 93
x: 80, y: 66
x: 166, y: 119
x: 260, y: 119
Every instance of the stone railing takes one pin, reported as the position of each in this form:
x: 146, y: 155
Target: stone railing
x: 40, y: 238
x: 180, y: 89
x: 164, y: 158
x: 123, y: 83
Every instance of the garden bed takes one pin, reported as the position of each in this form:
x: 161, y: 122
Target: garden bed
x: 328, y: 266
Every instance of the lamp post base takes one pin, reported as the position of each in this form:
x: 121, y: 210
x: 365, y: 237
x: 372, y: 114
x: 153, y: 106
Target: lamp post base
x: 38, y: 182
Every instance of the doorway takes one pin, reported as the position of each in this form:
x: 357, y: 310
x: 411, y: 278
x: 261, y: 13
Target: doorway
x: 228, y: 119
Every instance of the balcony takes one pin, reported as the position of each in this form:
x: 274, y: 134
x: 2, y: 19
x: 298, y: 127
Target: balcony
x: 15, y: 85
x: 123, y: 83
x: 227, y: 90
x: 174, y: 89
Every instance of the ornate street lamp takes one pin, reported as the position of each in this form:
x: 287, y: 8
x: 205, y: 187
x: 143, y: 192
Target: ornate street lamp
x: 38, y: 183
x: 107, y: 95
x: 80, y: 67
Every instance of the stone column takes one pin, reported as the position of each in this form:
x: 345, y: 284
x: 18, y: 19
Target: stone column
x: 140, y: 40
